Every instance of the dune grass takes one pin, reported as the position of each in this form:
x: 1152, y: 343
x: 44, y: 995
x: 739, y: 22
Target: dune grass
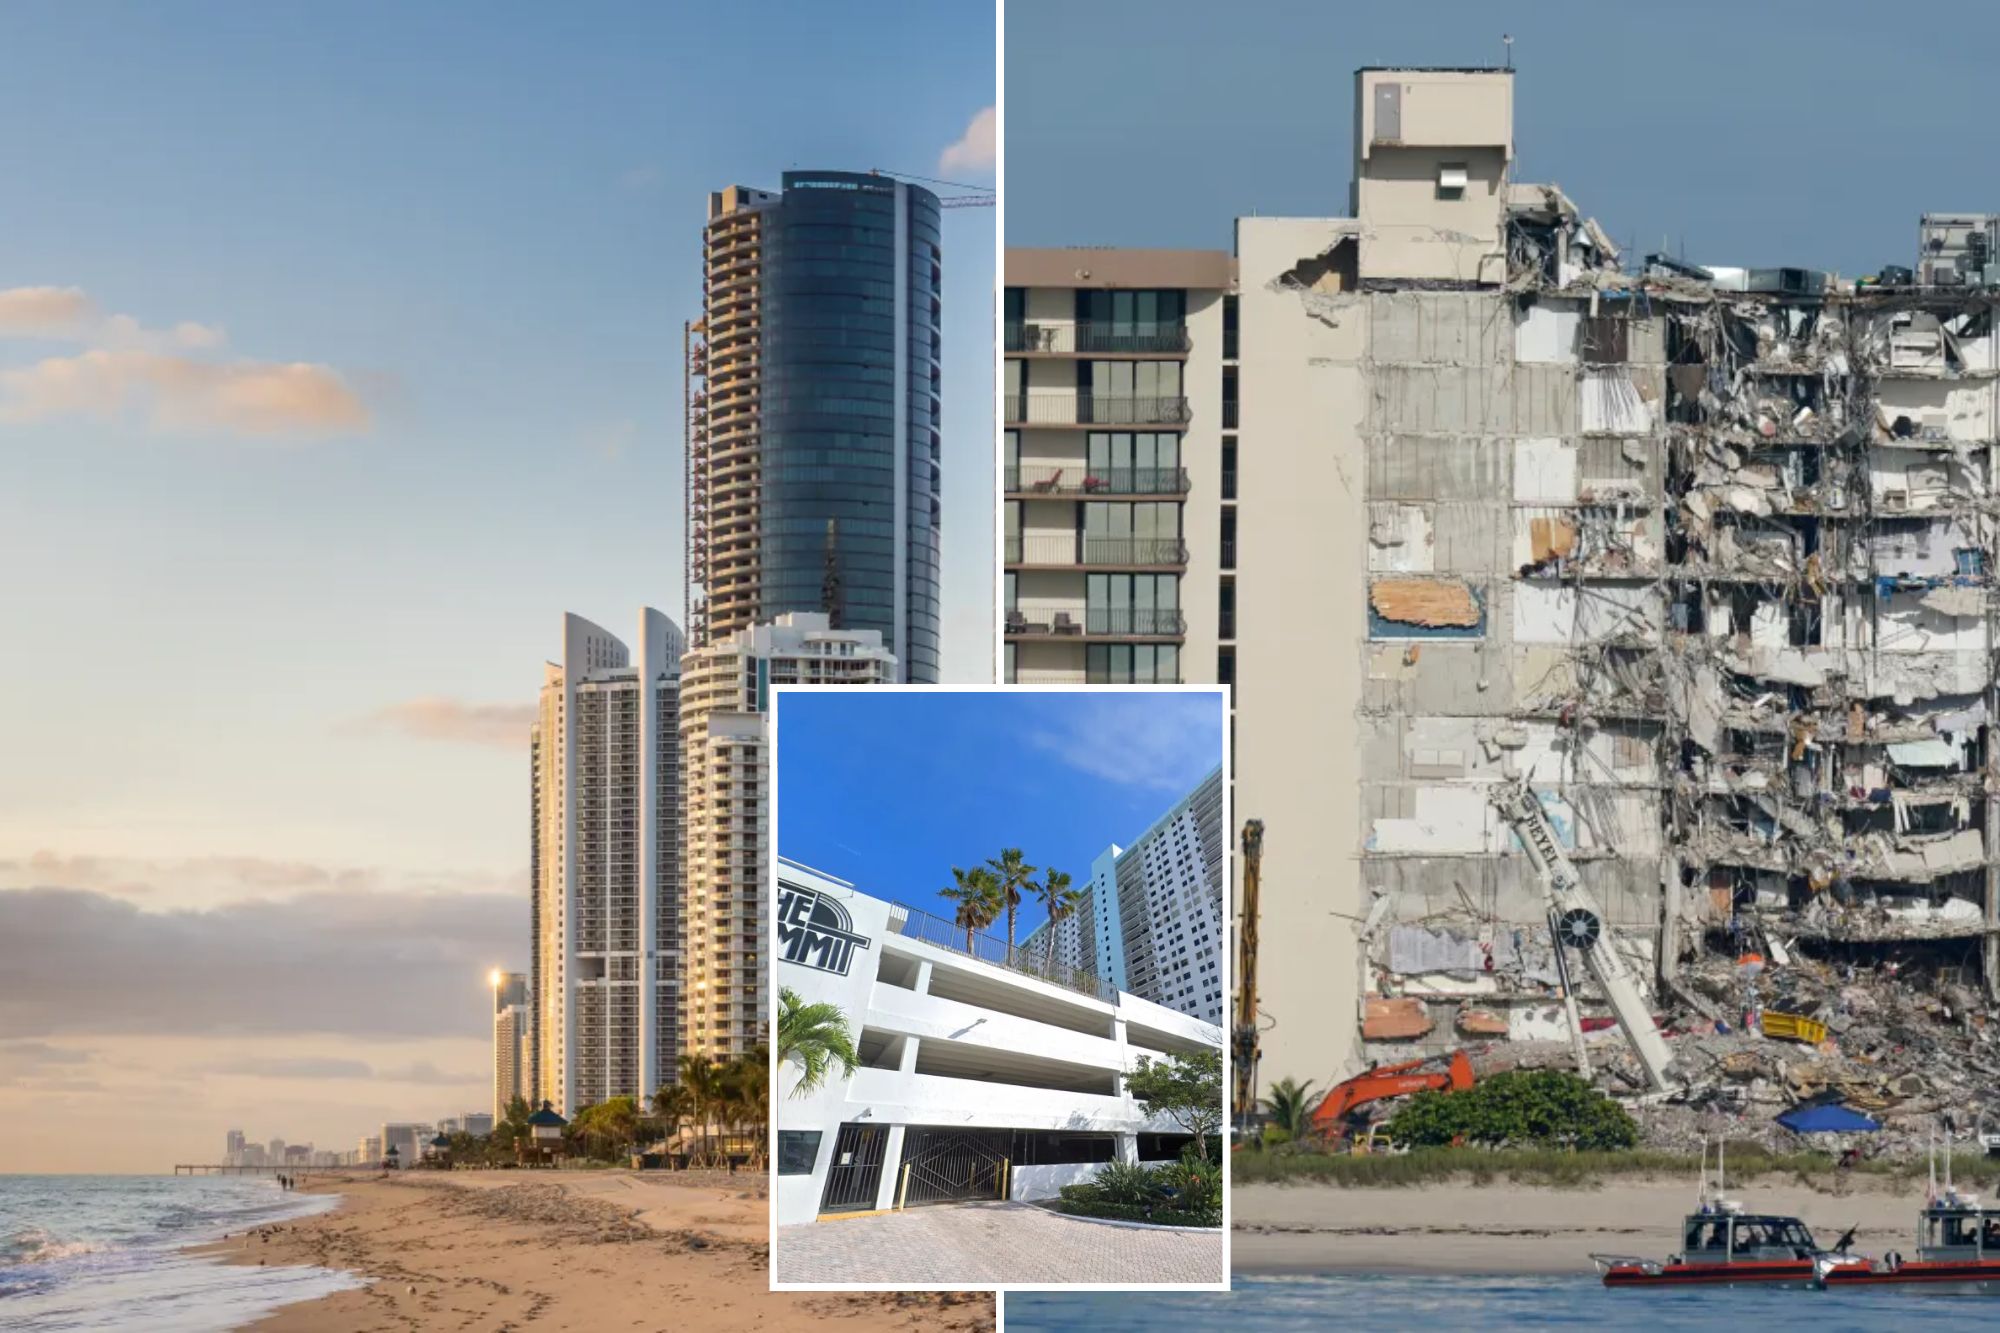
x: 1570, y: 1170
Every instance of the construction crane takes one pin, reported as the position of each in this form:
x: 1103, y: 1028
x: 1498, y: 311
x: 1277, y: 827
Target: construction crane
x: 1244, y: 1047
x: 979, y: 196
x: 1577, y: 921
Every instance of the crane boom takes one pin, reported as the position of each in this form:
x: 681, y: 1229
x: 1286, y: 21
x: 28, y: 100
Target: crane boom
x: 1243, y: 1069
x: 1579, y: 922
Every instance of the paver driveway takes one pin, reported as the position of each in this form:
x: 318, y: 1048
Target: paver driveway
x: 993, y: 1242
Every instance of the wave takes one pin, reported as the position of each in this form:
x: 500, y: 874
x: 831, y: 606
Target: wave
x: 32, y: 1245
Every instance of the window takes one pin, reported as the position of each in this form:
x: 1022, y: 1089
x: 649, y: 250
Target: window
x: 1041, y: 1148
x: 797, y: 1149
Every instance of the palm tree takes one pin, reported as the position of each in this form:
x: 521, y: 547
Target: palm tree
x: 1061, y: 901
x: 745, y: 1086
x: 977, y: 894
x: 814, y: 1037
x: 673, y: 1104
x: 1290, y: 1106
x: 1015, y: 874
x: 703, y: 1080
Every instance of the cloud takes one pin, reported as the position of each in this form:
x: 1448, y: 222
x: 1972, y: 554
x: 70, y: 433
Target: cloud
x: 18, y: 1057
x: 439, y: 719
x: 178, y: 393
x: 1166, y: 742
x: 297, y: 1066
x: 645, y: 179
x: 129, y: 367
x: 976, y: 148
x: 45, y: 312
x: 207, y: 879
x: 379, y: 965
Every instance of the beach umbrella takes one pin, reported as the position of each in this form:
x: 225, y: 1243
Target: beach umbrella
x: 1827, y: 1119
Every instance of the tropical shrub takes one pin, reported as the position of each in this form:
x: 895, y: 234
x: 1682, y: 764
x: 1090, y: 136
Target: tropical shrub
x: 1543, y: 1108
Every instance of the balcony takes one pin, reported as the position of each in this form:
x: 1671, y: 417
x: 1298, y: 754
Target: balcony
x: 1068, y: 551
x: 1031, y: 482
x: 1083, y: 409
x: 1229, y: 414
x: 1096, y: 338
x: 1099, y: 622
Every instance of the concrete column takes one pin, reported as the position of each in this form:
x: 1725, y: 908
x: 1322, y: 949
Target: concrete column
x: 1128, y: 1149
x: 908, y: 1064
x: 1124, y: 1052
x: 923, y: 976
x: 892, y: 1168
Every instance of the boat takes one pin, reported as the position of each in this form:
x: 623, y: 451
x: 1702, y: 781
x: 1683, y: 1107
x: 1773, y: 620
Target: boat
x: 1725, y: 1246
x: 1957, y: 1246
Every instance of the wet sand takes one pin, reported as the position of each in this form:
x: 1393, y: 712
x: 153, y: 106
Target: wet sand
x: 597, y: 1250
x: 1502, y: 1228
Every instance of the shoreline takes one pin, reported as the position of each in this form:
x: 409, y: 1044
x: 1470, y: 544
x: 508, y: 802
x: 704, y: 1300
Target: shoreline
x: 1465, y: 1230
x: 517, y: 1250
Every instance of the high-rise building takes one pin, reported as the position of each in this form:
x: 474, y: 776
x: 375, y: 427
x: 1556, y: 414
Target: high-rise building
x: 369, y: 1151
x: 605, y: 849
x: 511, y: 1017
x: 409, y: 1141
x: 814, y: 384
x: 724, y: 724
x: 476, y: 1123
x: 233, y: 1152
x: 275, y: 1153
x: 1118, y: 451
x: 1150, y: 917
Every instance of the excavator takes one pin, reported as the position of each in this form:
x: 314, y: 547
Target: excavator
x: 1452, y: 1073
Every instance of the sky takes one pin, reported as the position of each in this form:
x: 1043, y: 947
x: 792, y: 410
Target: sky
x: 891, y: 789
x: 1792, y: 133
x: 340, y: 354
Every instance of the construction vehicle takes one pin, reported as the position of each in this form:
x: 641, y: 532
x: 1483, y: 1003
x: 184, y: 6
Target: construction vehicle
x: 1441, y: 1073
x: 1577, y: 922
x: 1244, y: 1046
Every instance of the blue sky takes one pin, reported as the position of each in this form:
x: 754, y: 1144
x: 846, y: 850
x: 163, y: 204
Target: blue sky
x: 1785, y: 133
x: 340, y: 354
x: 891, y: 790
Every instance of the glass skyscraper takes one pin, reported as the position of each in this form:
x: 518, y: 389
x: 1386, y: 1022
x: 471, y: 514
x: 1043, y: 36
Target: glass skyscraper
x: 813, y: 463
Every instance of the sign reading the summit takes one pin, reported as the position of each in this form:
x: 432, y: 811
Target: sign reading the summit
x: 815, y: 930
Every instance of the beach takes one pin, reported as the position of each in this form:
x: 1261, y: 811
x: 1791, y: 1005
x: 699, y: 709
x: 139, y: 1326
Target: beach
x: 493, y: 1250
x: 1503, y: 1228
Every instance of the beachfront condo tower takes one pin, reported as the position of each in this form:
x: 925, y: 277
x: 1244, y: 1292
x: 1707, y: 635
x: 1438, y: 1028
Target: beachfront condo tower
x: 605, y: 865
x: 813, y: 399
x: 1150, y: 919
x: 726, y: 775
x: 510, y: 1040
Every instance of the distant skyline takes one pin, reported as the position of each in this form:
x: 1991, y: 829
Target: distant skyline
x: 340, y: 355
x: 891, y: 790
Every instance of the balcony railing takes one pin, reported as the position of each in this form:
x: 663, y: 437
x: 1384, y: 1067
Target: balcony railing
x: 1071, y: 550
x: 1101, y: 621
x: 918, y: 924
x: 1229, y: 414
x: 1098, y: 481
x: 1084, y: 409
x: 1096, y: 338
x: 1229, y: 553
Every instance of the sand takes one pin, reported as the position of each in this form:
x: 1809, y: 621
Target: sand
x: 494, y: 1250
x: 1502, y: 1228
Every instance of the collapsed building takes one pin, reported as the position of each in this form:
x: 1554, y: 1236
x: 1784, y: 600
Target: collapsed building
x: 1703, y: 554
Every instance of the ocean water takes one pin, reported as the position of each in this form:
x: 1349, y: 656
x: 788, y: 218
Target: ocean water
x: 102, y: 1252
x: 1435, y: 1304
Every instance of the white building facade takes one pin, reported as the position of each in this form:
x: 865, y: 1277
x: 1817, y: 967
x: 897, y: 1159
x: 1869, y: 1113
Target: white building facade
x: 977, y: 1080
x: 510, y: 1041
x: 605, y: 851
x: 1150, y: 919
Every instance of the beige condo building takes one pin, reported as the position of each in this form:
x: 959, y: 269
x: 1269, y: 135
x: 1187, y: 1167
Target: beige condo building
x: 725, y: 710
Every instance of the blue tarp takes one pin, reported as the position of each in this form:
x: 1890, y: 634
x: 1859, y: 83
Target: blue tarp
x: 1826, y: 1120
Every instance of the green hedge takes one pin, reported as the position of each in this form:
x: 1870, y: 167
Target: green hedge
x: 1132, y: 1212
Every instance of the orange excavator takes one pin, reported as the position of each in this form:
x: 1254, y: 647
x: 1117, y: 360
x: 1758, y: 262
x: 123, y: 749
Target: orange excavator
x: 1452, y: 1073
